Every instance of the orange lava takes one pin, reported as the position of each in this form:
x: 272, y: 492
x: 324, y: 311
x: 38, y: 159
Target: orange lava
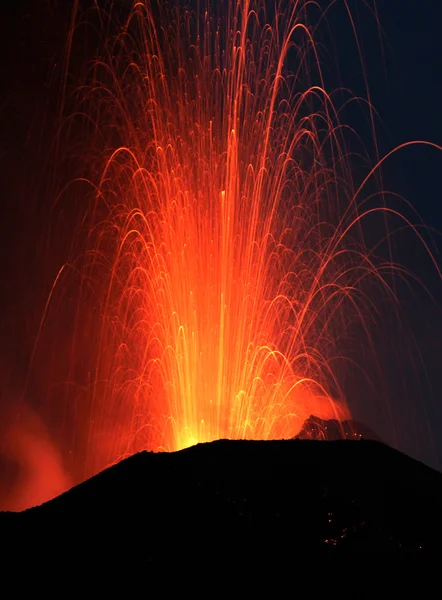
x: 222, y: 284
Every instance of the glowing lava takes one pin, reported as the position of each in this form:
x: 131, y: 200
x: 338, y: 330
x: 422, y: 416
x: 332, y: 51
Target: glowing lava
x: 222, y: 285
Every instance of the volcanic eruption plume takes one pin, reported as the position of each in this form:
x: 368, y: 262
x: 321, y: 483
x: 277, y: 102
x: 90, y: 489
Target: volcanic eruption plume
x: 222, y: 280
x: 220, y: 260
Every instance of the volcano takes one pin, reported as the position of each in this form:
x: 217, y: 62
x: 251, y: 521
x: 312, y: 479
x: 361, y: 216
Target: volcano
x: 243, y: 501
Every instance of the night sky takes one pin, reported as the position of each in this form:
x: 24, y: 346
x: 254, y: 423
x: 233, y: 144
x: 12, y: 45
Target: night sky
x: 404, y: 70
x: 405, y: 83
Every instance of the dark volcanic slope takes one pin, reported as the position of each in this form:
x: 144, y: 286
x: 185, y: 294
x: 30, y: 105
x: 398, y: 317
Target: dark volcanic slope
x: 244, y: 500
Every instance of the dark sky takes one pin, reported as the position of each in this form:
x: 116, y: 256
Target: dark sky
x: 406, y: 93
x: 404, y: 69
x: 405, y: 81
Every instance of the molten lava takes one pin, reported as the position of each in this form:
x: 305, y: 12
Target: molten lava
x: 215, y: 322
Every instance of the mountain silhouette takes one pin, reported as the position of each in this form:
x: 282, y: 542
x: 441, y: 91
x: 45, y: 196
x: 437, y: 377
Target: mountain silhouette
x: 242, y: 502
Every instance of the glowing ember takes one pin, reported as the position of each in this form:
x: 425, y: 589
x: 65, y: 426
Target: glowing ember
x: 224, y: 258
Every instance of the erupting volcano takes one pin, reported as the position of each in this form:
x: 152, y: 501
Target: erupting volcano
x: 225, y: 267
x: 220, y: 263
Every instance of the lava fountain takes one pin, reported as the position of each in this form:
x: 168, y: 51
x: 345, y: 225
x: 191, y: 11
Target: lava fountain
x: 222, y: 283
x: 221, y: 257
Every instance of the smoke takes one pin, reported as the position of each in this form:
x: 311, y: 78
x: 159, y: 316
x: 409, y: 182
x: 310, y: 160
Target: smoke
x: 31, y: 466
